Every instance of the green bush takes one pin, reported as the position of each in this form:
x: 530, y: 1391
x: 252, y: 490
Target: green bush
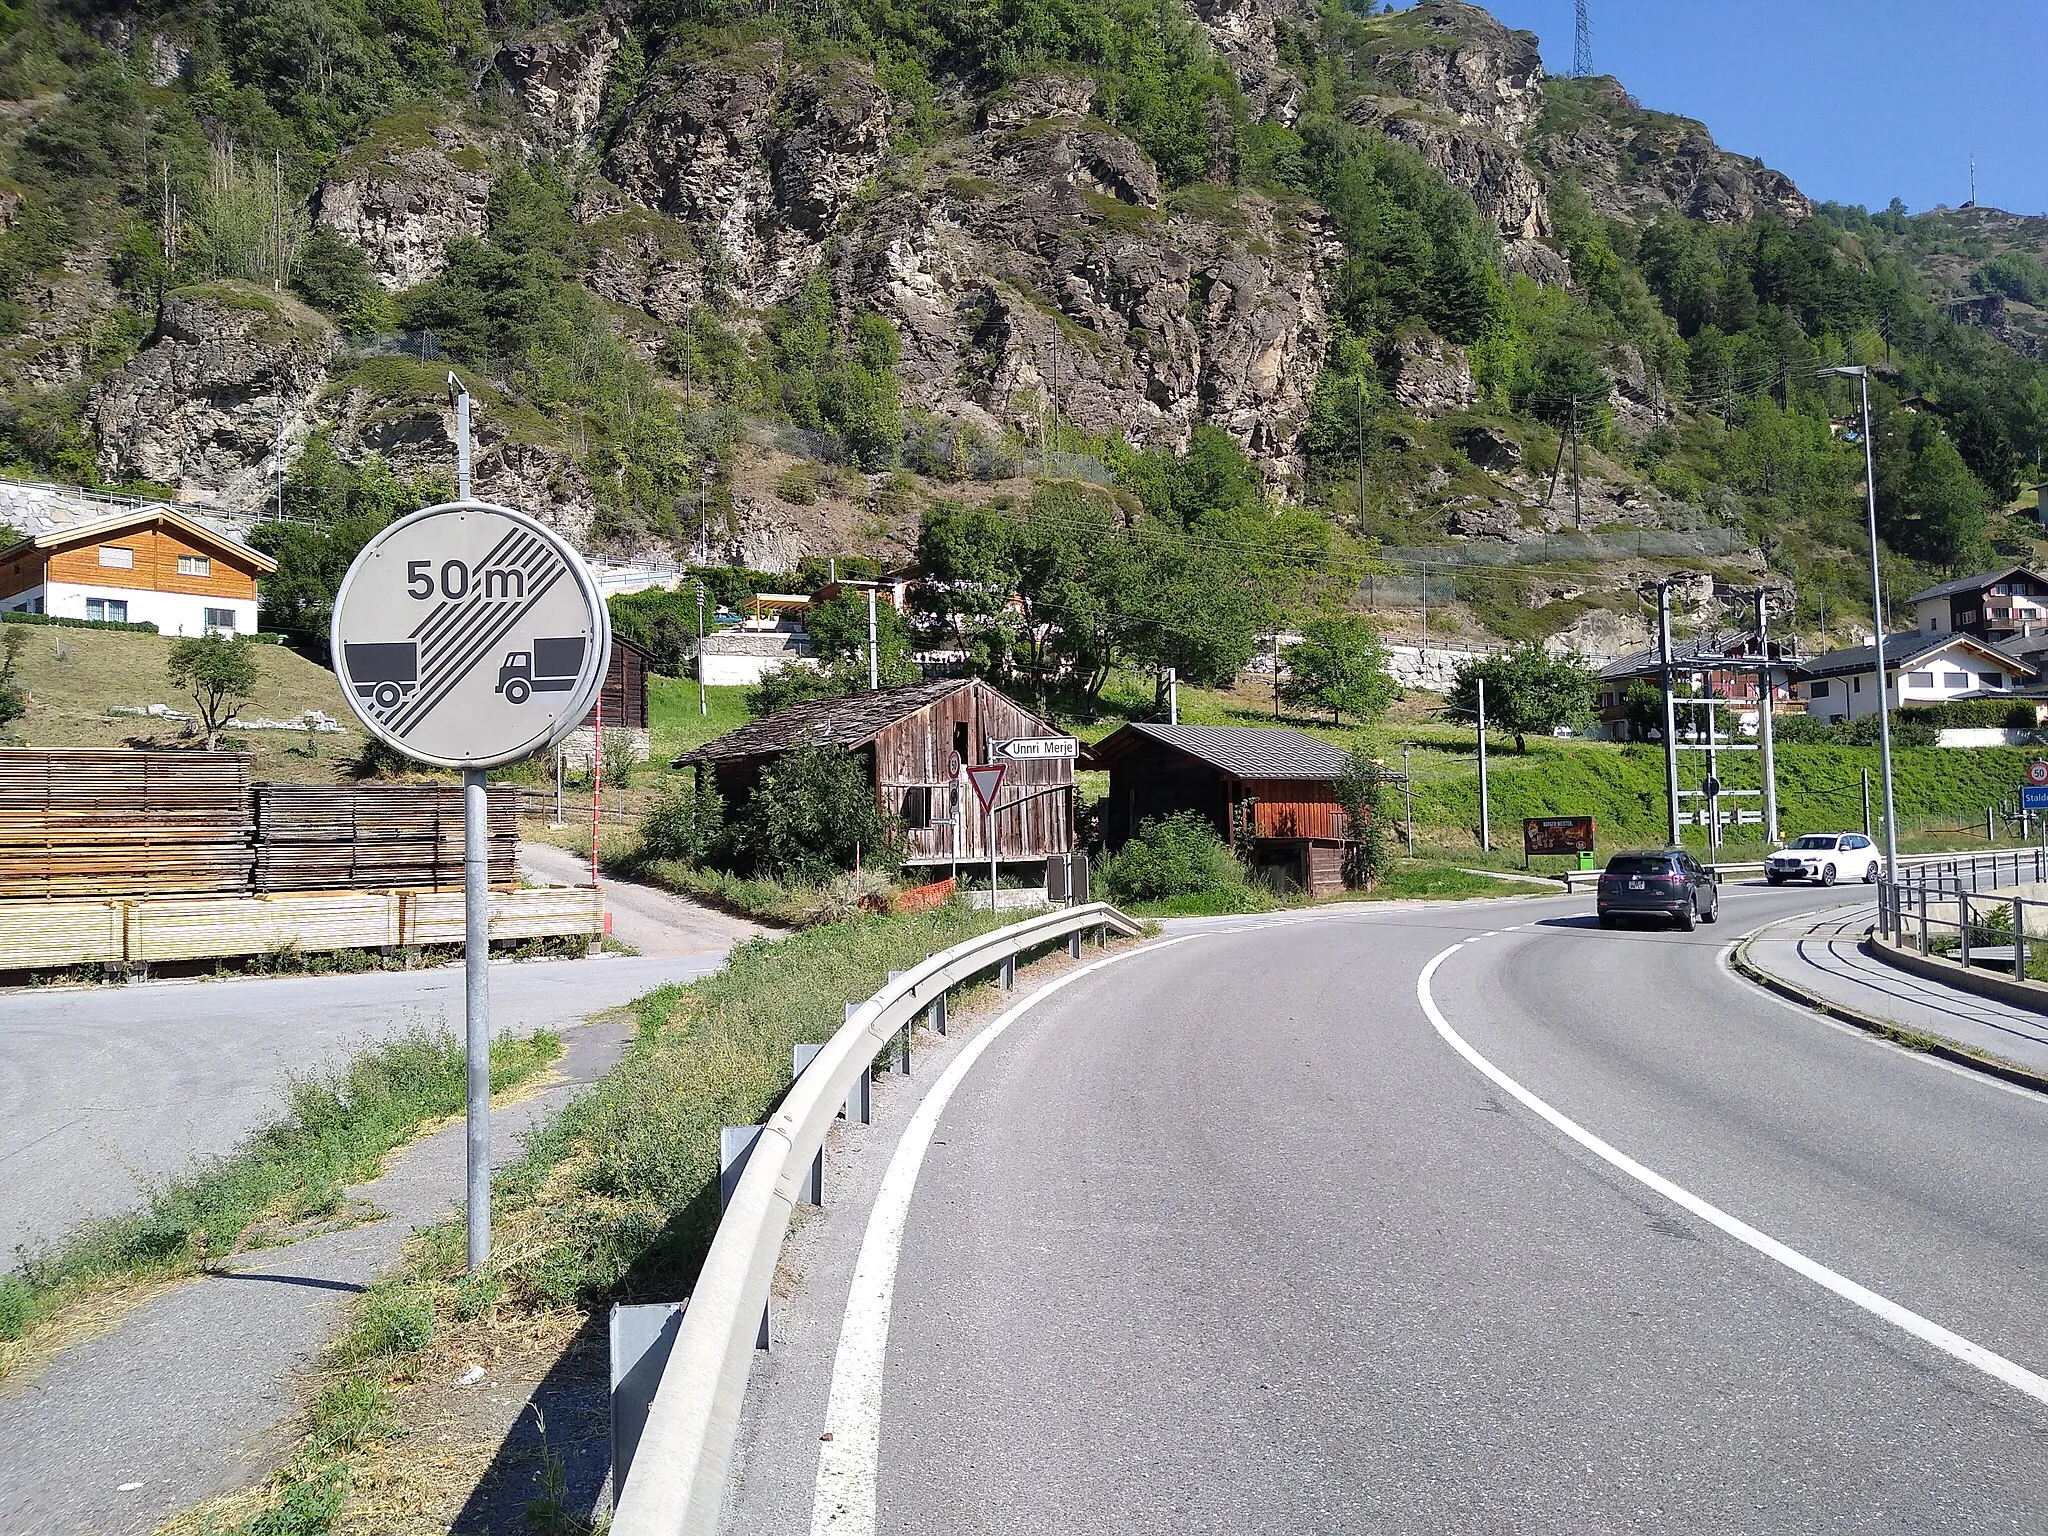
x: 57, y: 621
x: 684, y: 824
x: 1171, y: 856
x: 811, y: 815
x: 1979, y: 714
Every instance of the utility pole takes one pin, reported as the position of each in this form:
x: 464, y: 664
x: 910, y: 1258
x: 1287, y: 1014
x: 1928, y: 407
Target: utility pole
x: 1425, y: 607
x: 703, y: 703
x: 874, y: 659
x: 1713, y: 784
x: 1408, y: 796
x: 1764, y: 714
x: 1361, y: 456
x: 1578, y: 516
x: 1485, y: 812
x: 1884, y: 713
x: 1670, y: 714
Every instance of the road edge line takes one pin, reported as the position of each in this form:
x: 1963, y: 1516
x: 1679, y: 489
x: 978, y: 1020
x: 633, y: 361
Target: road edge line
x: 1939, y: 1047
x: 845, y: 1496
x: 1953, y: 1344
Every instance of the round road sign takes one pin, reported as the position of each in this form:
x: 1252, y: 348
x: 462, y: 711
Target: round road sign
x: 2037, y: 772
x: 469, y: 635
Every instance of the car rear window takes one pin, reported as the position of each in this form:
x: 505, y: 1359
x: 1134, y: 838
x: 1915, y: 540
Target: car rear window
x: 1638, y: 864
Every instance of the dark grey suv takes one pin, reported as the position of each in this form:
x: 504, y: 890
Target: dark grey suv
x: 1667, y: 883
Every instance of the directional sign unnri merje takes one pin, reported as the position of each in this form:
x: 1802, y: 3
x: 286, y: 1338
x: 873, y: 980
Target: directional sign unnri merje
x: 1035, y: 749
x: 469, y: 635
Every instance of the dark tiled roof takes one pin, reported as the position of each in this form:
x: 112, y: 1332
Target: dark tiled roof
x: 846, y: 721
x: 1975, y: 583
x: 1247, y: 751
x: 1902, y: 651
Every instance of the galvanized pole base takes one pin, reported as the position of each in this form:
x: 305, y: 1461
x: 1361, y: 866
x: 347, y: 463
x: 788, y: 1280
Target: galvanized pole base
x: 476, y: 889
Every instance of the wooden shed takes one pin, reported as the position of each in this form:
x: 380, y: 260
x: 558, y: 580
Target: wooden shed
x: 1277, y: 788
x: 624, y: 696
x: 917, y: 741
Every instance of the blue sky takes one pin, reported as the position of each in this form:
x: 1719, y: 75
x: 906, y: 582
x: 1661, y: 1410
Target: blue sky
x: 1859, y: 101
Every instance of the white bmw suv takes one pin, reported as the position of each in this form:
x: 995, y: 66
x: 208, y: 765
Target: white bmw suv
x: 1824, y: 857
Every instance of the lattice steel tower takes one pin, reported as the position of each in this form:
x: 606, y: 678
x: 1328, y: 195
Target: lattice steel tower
x: 1582, y: 42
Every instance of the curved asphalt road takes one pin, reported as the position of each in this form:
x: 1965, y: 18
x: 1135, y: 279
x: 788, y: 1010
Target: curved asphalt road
x: 1226, y: 1238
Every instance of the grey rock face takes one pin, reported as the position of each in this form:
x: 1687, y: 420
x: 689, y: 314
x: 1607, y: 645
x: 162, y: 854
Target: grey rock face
x: 758, y: 155
x: 1641, y: 165
x: 405, y: 195
x: 1490, y: 450
x: 1433, y: 376
x: 557, y: 76
x: 201, y: 407
x: 1471, y: 67
x: 1489, y: 520
x: 1246, y: 33
x: 1037, y: 263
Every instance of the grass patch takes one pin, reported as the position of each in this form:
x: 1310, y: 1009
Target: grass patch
x: 336, y: 1132
x: 675, y: 726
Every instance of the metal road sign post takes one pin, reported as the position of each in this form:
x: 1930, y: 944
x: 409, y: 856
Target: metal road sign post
x: 1035, y: 749
x: 468, y: 635
x: 986, y: 781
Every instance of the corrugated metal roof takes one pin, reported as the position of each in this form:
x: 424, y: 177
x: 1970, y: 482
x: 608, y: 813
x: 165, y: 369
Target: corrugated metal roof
x: 1247, y: 751
x: 846, y: 721
x: 1902, y: 651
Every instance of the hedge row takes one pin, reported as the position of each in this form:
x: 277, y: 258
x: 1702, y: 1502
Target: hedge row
x: 59, y: 622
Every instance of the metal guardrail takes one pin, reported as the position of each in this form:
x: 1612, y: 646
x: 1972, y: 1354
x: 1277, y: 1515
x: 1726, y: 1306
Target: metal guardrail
x: 676, y: 1486
x: 2008, y: 859
x: 1959, y: 897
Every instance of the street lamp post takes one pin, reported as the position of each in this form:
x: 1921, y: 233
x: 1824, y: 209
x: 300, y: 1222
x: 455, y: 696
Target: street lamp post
x: 1884, y: 716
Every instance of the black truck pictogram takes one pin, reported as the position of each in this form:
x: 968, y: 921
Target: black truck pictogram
x: 552, y: 666
x: 385, y: 672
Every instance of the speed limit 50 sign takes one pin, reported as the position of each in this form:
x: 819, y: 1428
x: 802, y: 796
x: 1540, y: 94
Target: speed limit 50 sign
x: 2037, y: 772
x: 469, y: 635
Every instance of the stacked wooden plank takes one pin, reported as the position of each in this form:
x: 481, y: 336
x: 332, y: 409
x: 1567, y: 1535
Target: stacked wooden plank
x: 123, y: 823
x: 372, y: 837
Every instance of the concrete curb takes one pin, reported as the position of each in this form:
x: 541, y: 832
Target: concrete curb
x: 1912, y: 1039
x: 2032, y: 996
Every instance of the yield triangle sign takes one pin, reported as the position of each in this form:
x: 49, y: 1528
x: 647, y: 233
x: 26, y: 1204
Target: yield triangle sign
x: 986, y: 782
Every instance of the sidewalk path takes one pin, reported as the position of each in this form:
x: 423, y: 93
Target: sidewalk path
x: 653, y: 921
x: 1823, y: 954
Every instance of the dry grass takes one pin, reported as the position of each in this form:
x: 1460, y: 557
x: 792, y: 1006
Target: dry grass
x: 73, y: 676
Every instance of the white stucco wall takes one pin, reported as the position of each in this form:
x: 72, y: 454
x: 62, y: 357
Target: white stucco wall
x: 173, y: 613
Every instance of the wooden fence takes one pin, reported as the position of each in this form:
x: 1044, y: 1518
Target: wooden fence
x: 47, y: 934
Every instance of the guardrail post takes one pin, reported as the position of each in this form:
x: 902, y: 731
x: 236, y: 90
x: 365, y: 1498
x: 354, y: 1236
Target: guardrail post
x: 1963, y: 925
x: 2019, y: 939
x: 736, y: 1144
x: 935, y: 1014
x: 1074, y: 945
x: 1923, y: 917
x: 1009, y: 973
x: 856, y: 1105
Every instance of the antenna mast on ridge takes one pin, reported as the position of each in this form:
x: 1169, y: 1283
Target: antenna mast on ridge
x: 1582, y: 42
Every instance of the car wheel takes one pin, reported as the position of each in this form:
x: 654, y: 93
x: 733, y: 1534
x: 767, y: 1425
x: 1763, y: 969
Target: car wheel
x: 1827, y: 874
x: 1774, y: 879
x: 1870, y: 873
x: 1688, y: 917
x: 1609, y: 920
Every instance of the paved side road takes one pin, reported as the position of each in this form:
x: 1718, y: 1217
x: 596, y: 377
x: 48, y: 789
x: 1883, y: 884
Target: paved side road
x: 103, y: 1089
x: 1824, y: 955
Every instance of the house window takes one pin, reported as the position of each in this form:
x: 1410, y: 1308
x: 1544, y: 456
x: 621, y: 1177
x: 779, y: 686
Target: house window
x: 1991, y: 679
x: 1919, y: 679
x: 220, y: 618
x: 194, y: 565
x: 1817, y: 689
x: 116, y: 557
x: 107, y: 610
x: 1957, y: 680
x: 1969, y: 616
x: 1856, y: 683
x: 917, y: 807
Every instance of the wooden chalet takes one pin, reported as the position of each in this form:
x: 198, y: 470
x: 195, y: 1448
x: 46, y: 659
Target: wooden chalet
x: 917, y: 741
x: 1273, y: 789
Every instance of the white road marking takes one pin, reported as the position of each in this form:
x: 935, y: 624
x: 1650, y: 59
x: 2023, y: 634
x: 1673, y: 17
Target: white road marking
x: 1927, y: 1331
x: 844, y: 1498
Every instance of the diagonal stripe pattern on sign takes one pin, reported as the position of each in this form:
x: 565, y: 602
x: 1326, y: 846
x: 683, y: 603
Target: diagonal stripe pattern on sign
x: 445, y: 614
x: 460, y: 635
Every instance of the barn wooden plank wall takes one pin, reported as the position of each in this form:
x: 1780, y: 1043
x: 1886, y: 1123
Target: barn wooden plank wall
x: 1034, y: 811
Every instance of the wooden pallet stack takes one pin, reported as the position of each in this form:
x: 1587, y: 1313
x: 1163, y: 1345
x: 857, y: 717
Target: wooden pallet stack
x: 123, y: 823
x: 372, y: 837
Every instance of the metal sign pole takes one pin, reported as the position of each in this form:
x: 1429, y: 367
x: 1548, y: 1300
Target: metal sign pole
x: 1485, y: 813
x: 476, y: 966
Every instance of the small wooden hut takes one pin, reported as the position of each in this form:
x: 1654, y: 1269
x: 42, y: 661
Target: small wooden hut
x: 917, y: 742
x: 1272, y: 794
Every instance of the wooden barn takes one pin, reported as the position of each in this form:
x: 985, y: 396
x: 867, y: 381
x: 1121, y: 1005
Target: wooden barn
x: 916, y: 742
x: 1276, y: 788
x: 623, y: 698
